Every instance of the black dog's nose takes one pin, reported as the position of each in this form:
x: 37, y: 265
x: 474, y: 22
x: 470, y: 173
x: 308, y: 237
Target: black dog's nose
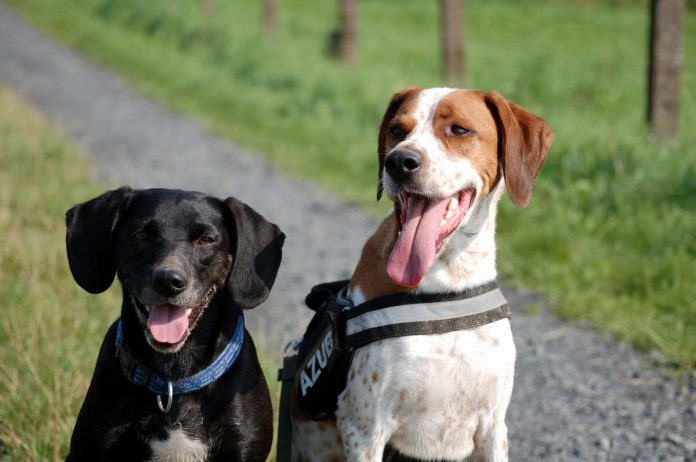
x: 401, y: 164
x: 169, y: 281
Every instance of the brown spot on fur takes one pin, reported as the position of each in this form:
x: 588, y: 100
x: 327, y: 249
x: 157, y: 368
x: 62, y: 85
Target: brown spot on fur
x: 296, y: 413
x: 375, y: 377
x: 352, y: 374
x: 370, y: 274
x: 397, y: 112
x: 468, y: 110
x: 402, y: 395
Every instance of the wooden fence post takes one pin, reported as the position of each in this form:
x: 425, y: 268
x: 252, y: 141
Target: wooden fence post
x: 269, y: 12
x: 452, y: 36
x: 348, y: 34
x: 665, y: 66
x: 208, y: 6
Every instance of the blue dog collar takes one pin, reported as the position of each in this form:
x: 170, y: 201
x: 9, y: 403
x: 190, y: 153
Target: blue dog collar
x: 141, y: 376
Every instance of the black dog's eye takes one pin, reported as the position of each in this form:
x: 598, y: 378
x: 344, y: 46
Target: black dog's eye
x: 141, y: 236
x: 458, y: 130
x: 205, y: 240
x: 397, y: 132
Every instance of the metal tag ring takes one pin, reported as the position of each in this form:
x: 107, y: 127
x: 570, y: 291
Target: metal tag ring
x: 170, y: 398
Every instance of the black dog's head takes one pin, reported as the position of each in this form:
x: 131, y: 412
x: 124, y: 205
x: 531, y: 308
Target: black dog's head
x: 172, y: 250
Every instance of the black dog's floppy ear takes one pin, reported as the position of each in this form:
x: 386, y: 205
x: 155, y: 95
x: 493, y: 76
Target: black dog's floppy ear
x: 257, y: 249
x: 88, y: 239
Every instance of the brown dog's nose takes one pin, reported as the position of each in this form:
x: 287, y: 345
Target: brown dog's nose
x: 401, y: 164
x: 169, y: 281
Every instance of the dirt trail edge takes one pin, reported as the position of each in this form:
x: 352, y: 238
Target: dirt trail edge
x: 577, y: 396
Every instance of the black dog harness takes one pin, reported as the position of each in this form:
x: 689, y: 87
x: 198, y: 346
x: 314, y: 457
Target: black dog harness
x: 141, y: 376
x: 326, y: 350
x: 338, y: 328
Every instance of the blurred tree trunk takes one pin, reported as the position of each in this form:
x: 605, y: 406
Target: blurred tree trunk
x: 665, y: 66
x: 208, y: 6
x: 452, y: 41
x: 348, y: 33
x: 270, y: 10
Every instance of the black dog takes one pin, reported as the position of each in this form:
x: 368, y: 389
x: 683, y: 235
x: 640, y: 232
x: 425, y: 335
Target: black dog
x: 177, y: 377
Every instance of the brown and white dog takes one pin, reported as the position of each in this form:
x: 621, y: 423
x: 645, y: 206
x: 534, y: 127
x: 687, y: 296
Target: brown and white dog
x: 445, y: 158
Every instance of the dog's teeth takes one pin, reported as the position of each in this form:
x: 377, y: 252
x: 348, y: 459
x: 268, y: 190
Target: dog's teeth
x: 448, y: 215
x: 443, y: 222
x: 189, y: 311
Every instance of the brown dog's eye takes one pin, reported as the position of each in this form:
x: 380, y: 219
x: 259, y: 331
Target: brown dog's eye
x: 458, y: 130
x: 397, y: 132
x: 141, y: 236
x: 205, y: 240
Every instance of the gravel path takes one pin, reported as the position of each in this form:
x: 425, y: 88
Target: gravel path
x: 578, y: 396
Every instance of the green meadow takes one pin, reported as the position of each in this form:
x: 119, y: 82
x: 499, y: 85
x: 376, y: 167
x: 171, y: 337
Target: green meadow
x: 610, y: 236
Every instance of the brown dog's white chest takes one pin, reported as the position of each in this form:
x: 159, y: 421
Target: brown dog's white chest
x: 437, y: 393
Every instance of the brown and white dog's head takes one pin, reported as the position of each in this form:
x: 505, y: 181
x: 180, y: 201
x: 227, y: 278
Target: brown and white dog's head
x: 444, y: 155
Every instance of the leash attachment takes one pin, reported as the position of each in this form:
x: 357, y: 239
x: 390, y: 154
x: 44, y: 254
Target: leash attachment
x: 170, y: 398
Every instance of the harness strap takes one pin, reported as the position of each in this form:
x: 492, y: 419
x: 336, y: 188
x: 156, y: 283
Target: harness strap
x: 286, y: 375
x: 141, y: 376
x: 423, y: 314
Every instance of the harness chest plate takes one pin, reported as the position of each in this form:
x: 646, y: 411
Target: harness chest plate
x: 337, y: 328
x: 323, y: 357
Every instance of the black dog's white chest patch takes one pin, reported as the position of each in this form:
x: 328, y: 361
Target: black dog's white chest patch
x: 178, y: 447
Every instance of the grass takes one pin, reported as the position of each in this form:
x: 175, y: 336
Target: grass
x: 50, y: 330
x: 610, y: 236
x: 611, y: 233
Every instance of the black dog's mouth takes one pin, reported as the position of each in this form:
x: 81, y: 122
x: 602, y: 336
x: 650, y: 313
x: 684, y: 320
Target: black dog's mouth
x: 169, y: 325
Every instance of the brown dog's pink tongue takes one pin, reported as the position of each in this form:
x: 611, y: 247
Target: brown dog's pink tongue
x: 415, y: 249
x: 167, y: 323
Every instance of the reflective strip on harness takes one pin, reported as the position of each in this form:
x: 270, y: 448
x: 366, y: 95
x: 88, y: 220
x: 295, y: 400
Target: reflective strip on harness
x: 423, y: 312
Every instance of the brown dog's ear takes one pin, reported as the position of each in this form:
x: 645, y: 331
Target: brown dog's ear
x: 389, y: 114
x: 88, y: 239
x: 523, y: 144
x: 257, y: 250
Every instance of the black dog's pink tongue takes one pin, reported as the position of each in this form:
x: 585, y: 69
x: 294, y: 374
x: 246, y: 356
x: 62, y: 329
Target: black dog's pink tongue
x: 415, y: 249
x: 167, y: 323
